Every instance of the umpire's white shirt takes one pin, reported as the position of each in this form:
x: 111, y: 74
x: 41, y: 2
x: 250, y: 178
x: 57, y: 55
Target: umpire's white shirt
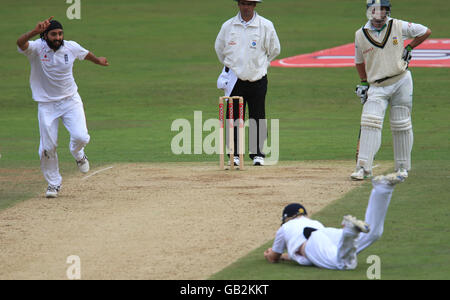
x: 290, y: 236
x: 247, y: 48
x: 51, y: 77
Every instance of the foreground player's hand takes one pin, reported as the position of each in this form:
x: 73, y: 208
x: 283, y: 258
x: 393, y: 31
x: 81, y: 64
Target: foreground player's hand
x: 362, y: 90
x: 407, y: 55
x: 103, y: 61
x: 42, y: 26
x: 267, y: 254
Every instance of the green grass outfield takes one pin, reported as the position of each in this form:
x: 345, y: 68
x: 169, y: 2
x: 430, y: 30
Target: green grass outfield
x: 163, y: 67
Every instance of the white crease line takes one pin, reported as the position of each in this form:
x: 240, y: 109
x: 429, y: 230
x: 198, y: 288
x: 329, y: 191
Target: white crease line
x: 376, y: 166
x: 96, y: 172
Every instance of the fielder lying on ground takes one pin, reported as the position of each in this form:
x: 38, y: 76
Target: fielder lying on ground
x: 308, y: 242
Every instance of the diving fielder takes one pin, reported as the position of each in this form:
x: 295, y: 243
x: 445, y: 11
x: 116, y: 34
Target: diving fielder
x: 382, y: 64
x: 308, y: 242
x: 54, y: 89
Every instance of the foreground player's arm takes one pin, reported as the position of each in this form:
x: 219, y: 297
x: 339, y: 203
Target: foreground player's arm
x: 97, y: 60
x: 359, y: 63
x: 420, y: 39
x: 22, y: 42
x: 418, y: 33
x: 271, y: 256
x: 361, y: 68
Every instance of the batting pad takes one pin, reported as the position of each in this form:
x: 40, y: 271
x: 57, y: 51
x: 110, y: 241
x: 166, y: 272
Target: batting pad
x: 371, y: 126
x: 402, y: 136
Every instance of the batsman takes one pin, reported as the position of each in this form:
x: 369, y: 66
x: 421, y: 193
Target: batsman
x: 382, y: 60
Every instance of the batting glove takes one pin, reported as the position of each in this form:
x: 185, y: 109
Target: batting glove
x: 362, y: 90
x: 407, y: 55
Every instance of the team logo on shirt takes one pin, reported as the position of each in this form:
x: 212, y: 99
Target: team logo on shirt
x: 395, y: 41
x: 66, y: 58
x: 45, y: 58
x: 253, y: 45
x: 368, y: 50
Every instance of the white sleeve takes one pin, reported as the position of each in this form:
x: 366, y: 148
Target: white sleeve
x: 301, y: 260
x: 273, y: 47
x: 220, y: 44
x: 359, y: 58
x: 278, y: 244
x: 412, y: 30
x: 78, y: 51
x: 33, y: 47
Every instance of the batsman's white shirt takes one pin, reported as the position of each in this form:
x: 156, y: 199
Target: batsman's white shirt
x: 51, y: 77
x: 247, y: 48
x: 409, y: 30
x: 290, y: 236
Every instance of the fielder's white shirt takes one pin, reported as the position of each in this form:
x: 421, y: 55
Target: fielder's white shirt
x: 51, y: 77
x: 247, y: 48
x: 290, y: 236
x: 409, y: 30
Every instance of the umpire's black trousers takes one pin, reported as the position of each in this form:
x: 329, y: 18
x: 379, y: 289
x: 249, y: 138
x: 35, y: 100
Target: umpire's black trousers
x: 254, y: 94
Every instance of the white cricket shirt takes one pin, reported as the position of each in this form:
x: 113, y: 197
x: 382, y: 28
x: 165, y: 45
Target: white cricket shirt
x: 409, y: 30
x: 247, y: 48
x: 290, y: 236
x: 51, y: 77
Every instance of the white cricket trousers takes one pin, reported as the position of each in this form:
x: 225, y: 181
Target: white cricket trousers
x: 337, y: 249
x: 400, y: 97
x: 71, y: 112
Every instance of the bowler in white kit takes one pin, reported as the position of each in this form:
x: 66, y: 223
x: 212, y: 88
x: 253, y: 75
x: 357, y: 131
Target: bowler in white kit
x: 54, y: 89
x: 308, y: 242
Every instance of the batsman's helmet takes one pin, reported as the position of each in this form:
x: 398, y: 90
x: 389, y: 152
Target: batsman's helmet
x: 291, y: 211
x: 251, y: 1
x: 382, y: 3
x: 374, y: 9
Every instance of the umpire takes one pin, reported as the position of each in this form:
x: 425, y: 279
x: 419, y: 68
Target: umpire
x: 246, y: 44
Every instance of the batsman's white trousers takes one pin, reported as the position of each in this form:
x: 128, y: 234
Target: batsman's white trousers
x: 398, y: 95
x: 337, y: 249
x: 71, y: 112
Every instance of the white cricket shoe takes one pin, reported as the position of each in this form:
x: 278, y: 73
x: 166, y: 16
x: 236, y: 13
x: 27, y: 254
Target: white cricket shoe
x: 357, y: 225
x: 361, y: 174
x: 391, y: 179
x: 258, y: 161
x: 83, y: 164
x: 52, y: 191
x: 402, y: 173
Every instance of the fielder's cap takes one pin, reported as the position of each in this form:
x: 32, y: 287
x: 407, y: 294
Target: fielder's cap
x: 250, y: 0
x: 292, y: 210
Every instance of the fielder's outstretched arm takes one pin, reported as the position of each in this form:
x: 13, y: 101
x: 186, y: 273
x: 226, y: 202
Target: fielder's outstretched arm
x: 97, y: 60
x: 272, y: 256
